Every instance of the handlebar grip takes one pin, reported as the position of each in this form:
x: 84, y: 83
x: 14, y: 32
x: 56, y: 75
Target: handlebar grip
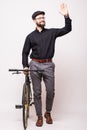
x: 18, y: 106
x: 15, y: 70
x: 12, y: 70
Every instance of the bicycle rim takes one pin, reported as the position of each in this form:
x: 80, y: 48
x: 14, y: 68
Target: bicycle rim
x: 25, y: 106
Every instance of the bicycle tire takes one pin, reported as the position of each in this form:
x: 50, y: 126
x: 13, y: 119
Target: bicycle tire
x: 26, y: 104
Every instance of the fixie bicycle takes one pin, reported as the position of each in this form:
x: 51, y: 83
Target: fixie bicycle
x: 27, y: 99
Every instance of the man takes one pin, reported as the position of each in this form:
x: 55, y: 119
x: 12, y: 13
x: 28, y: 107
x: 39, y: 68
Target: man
x: 42, y: 43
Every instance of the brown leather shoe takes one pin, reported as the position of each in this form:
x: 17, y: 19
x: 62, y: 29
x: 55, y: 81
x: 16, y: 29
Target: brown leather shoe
x: 48, y: 118
x: 39, y: 121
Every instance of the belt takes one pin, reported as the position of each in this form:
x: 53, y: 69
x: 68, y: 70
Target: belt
x: 42, y: 60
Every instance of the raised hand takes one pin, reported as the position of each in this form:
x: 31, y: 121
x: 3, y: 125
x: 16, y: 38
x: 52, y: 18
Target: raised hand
x: 64, y: 10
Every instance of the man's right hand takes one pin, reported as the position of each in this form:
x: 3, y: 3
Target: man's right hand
x: 26, y: 70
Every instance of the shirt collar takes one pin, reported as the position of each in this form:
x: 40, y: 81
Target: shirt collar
x: 41, y: 31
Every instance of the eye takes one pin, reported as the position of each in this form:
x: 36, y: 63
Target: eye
x: 39, y: 18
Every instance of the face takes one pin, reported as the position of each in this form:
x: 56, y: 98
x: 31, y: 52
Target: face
x: 40, y: 20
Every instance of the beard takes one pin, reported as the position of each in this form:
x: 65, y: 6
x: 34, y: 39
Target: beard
x: 40, y: 24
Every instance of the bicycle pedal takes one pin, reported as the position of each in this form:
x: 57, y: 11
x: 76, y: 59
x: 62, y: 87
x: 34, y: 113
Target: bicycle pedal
x: 18, y: 106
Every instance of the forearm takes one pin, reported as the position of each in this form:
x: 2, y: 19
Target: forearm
x: 68, y: 24
x: 25, y: 60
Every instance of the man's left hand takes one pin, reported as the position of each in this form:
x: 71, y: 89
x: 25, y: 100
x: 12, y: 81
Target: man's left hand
x: 64, y: 10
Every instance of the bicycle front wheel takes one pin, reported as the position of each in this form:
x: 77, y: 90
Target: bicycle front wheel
x: 25, y: 103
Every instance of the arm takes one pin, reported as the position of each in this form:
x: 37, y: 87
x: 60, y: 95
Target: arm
x: 68, y: 27
x: 25, y: 52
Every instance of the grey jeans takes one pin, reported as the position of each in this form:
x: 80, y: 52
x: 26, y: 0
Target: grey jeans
x: 48, y: 77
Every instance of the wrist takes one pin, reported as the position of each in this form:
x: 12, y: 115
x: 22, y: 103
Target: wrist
x: 66, y: 15
x: 26, y: 68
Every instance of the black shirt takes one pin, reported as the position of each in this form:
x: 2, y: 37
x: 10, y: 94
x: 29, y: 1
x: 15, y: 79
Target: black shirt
x: 43, y: 43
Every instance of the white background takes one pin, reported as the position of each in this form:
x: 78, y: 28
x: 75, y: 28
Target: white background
x: 70, y: 104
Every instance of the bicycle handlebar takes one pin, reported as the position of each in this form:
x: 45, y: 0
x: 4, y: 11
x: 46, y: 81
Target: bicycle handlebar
x: 18, y: 71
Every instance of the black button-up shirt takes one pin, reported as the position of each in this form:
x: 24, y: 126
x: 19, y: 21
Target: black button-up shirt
x: 42, y: 43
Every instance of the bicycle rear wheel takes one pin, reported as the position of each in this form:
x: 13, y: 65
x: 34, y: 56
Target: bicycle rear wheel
x: 25, y: 103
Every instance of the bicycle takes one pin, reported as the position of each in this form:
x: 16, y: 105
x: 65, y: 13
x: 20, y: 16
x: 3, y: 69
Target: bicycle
x: 26, y: 95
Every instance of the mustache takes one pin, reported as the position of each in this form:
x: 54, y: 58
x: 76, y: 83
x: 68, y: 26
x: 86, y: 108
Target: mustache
x: 42, y: 21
